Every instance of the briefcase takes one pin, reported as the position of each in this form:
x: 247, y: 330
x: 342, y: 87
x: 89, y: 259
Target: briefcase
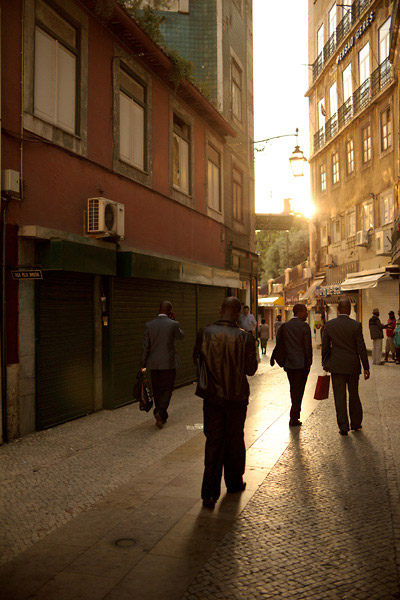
x: 322, y: 387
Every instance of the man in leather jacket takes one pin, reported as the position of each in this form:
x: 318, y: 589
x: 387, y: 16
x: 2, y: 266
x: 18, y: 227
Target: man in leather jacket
x: 227, y: 354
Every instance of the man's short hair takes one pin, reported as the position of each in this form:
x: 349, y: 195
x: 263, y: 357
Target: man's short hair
x: 279, y: 317
x: 391, y: 312
x: 375, y: 311
x: 263, y: 321
x: 344, y: 306
x: 246, y: 307
x: 299, y: 308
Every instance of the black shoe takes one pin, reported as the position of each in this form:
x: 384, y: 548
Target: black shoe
x: 342, y: 432
x: 239, y: 488
x: 159, y: 423
x: 356, y: 428
x: 294, y: 423
x: 209, y: 503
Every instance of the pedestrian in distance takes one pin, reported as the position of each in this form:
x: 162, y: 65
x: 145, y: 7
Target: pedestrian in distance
x: 343, y: 347
x: 225, y: 355
x: 160, y: 356
x: 294, y: 346
x: 247, y: 320
x: 277, y: 324
x: 397, y: 338
x: 263, y: 332
x: 376, y: 332
x: 390, y: 333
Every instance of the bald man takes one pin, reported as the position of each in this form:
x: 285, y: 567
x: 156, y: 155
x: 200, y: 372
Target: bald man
x: 160, y: 356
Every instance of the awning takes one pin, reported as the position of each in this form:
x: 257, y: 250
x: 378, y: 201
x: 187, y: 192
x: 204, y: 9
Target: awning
x: 311, y: 289
x: 361, y: 283
x: 271, y: 301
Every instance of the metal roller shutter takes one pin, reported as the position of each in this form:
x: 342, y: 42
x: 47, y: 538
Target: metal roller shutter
x: 385, y: 297
x: 135, y: 301
x: 64, y: 350
x: 209, y: 300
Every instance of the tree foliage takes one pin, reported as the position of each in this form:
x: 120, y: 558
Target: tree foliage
x: 273, y: 245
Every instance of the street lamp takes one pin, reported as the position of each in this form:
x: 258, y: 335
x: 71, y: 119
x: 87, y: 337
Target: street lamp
x: 297, y: 158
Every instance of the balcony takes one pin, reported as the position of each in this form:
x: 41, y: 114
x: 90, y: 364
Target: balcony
x: 363, y: 96
x: 349, y: 20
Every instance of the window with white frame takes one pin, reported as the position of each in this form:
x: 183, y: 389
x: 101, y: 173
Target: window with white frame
x: 347, y: 83
x: 236, y: 75
x: 320, y: 40
x: 367, y: 215
x: 214, y: 178
x: 387, y: 208
x: 351, y: 223
x: 384, y: 39
x: 56, y: 64
x: 324, y: 234
x: 337, y: 230
x: 335, y: 167
x: 386, y: 129
x: 350, y: 156
x: 237, y: 194
x: 322, y: 175
x: 332, y: 20
x: 132, y: 120
x: 364, y: 63
x: 181, y: 155
x: 333, y: 102
x: 366, y: 144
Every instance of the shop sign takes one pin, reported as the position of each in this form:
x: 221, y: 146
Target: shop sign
x: 359, y: 33
x: 329, y: 290
x: 27, y: 274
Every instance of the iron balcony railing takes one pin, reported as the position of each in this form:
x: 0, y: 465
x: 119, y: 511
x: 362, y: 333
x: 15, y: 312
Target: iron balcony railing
x: 381, y: 77
x: 358, y: 7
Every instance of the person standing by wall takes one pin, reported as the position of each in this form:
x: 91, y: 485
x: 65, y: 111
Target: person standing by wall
x: 263, y: 332
x: 390, y: 331
x: 376, y: 332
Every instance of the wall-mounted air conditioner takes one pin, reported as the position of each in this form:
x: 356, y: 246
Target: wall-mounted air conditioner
x: 362, y: 238
x: 307, y: 273
x: 105, y: 218
x: 383, y: 242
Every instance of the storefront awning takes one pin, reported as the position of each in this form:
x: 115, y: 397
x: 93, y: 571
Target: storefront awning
x: 311, y: 289
x: 361, y: 283
x: 271, y: 301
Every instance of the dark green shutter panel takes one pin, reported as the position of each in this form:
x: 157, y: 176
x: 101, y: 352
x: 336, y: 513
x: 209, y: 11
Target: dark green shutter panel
x: 64, y: 357
x: 210, y: 299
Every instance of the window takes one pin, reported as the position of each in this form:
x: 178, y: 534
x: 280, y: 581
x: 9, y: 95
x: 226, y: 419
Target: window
x: 364, y: 64
x: 214, y: 179
x: 335, y: 167
x: 236, y: 74
x: 322, y: 171
x: 324, y: 234
x: 337, y: 230
x: 386, y: 129
x: 384, y: 40
x: 367, y: 216
x: 55, y: 69
x: 387, y: 208
x: 332, y: 19
x: 321, y: 114
x: 366, y: 144
x: 320, y: 40
x: 132, y: 120
x: 180, y: 155
x: 350, y: 156
x: 237, y: 193
x: 351, y: 224
x: 347, y: 83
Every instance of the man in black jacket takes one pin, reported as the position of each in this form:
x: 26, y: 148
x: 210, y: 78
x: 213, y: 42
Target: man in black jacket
x: 342, y: 348
x: 294, y: 348
x: 376, y: 331
x: 228, y: 354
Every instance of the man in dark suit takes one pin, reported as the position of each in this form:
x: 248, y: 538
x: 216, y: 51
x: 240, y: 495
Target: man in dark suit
x: 295, y: 336
x: 160, y: 356
x: 342, y: 348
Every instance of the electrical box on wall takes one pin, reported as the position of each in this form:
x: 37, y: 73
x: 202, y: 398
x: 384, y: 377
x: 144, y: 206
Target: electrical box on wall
x: 10, y: 181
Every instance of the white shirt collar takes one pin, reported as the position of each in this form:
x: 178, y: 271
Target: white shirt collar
x: 162, y: 315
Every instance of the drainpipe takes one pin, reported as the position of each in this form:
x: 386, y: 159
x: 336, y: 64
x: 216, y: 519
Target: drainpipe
x: 3, y: 327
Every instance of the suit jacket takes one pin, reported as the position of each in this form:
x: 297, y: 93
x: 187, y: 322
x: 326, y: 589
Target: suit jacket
x: 343, y: 346
x: 297, y: 343
x: 158, y: 350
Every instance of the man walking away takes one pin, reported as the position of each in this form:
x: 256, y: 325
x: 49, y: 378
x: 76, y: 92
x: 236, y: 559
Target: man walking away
x: 298, y: 357
x: 342, y: 348
x: 390, y: 331
x: 247, y: 320
x: 228, y: 354
x: 277, y: 324
x: 264, y: 336
x: 376, y: 332
x: 160, y: 356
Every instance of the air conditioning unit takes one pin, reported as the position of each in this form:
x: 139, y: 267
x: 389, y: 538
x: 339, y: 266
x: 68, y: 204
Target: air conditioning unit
x: 362, y: 238
x: 328, y: 260
x: 105, y: 218
x: 307, y: 273
x: 383, y: 241
x: 277, y: 288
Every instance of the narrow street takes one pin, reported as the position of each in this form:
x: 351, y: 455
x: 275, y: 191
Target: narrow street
x: 108, y: 506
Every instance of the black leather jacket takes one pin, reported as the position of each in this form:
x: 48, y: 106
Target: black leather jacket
x: 229, y: 354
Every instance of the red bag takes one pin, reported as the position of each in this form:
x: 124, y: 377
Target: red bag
x: 322, y: 387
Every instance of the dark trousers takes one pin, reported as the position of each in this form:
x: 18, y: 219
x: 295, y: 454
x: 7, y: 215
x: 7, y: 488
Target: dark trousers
x: 297, y: 380
x: 225, y: 449
x: 263, y: 345
x: 162, y: 382
x: 339, y: 384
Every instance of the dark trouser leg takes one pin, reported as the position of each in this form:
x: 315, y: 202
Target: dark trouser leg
x: 264, y: 346
x: 297, y: 380
x: 339, y: 392
x: 163, y: 384
x: 355, y: 408
x: 214, y: 430
x: 235, y: 450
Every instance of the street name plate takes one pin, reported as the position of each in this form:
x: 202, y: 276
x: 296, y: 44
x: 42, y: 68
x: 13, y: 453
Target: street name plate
x: 27, y: 274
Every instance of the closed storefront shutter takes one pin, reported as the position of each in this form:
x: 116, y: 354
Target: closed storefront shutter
x: 64, y: 352
x: 209, y: 300
x: 134, y: 302
x: 384, y: 296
